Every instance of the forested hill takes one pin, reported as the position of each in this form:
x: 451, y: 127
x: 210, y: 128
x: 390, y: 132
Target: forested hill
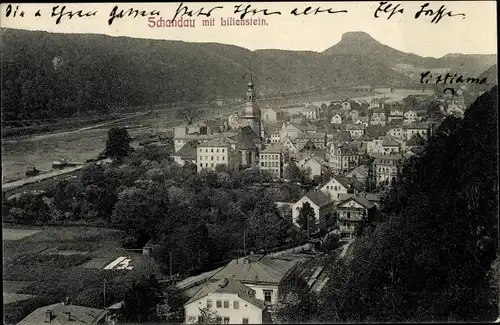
x: 431, y: 260
x: 46, y: 74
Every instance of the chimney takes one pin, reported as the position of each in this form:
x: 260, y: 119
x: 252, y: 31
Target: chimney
x: 223, y: 283
x: 68, y: 314
x: 48, y: 316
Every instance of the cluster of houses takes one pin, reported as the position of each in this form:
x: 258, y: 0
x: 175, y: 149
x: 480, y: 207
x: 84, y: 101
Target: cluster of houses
x: 249, y: 290
x: 358, y: 142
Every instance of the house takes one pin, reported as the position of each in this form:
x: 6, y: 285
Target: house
x: 311, y: 112
x: 387, y: 168
x: 289, y: 130
x: 322, y: 205
x: 338, y: 185
x: 355, y: 130
x: 273, y: 160
x: 289, y: 145
x: 345, y: 106
x: 377, y: 103
x: 315, y: 165
x: 351, y: 210
x: 411, y: 130
x: 269, y: 277
x: 187, y: 153
x: 343, y: 157
x: 353, y: 114
x: 215, y: 152
x: 375, y: 146
x: 410, y: 117
x: 360, y: 173
x: 378, y: 117
x: 232, y: 301
x: 390, y: 146
x: 318, y: 138
x: 272, y: 115
x: 66, y: 313
x: 180, y: 141
x: 336, y: 119
x: 362, y: 120
x: 397, y: 132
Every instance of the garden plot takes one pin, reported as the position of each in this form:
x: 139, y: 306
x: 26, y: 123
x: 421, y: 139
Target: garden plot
x: 56, y: 251
x: 16, y: 234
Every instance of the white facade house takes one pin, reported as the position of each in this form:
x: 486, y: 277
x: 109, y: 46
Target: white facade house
x: 321, y: 203
x: 336, y: 119
x: 217, y: 152
x: 410, y: 117
x: 336, y: 186
x: 231, y: 301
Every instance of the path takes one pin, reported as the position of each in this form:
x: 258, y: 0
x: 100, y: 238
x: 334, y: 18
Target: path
x: 55, y: 134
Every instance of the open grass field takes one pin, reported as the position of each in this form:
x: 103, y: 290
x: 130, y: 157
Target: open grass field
x: 59, y: 262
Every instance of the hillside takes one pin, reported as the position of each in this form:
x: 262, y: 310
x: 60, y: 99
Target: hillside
x: 362, y: 43
x: 430, y: 258
x: 47, y: 74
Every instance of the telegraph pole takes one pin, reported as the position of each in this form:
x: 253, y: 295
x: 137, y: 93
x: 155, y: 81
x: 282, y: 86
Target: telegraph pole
x: 104, y: 294
x: 170, y: 265
x: 244, y: 243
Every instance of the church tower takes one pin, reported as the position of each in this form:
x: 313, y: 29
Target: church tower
x: 252, y: 111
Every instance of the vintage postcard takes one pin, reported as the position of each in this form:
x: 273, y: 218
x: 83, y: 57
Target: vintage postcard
x: 249, y: 162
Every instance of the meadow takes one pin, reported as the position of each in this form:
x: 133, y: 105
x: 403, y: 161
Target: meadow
x: 58, y: 262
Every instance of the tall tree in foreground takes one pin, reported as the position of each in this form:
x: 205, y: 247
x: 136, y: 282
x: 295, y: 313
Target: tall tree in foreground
x: 431, y: 260
x: 118, y: 143
x: 306, y: 218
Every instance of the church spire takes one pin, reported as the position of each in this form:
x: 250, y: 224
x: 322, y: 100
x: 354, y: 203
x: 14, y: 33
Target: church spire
x: 251, y: 90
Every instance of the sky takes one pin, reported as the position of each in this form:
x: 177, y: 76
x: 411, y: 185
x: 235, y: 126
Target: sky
x: 473, y: 33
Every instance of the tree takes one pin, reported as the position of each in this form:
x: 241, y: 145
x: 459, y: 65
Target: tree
x: 142, y: 299
x: 189, y: 114
x: 118, y: 143
x: 207, y: 316
x: 307, y: 218
x: 431, y: 259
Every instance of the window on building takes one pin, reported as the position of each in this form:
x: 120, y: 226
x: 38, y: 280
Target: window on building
x: 217, y: 150
x: 245, y: 321
x: 209, y: 303
x: 226, y: 304
x: 267, y: 295
x: 218, y: 304
x: 222, y: 150
x: 212, y: 158
x: 236, y: 304
x: 262, y: 164
x: 212, y: 150
x: 211, y: 165
x: 226, y: 320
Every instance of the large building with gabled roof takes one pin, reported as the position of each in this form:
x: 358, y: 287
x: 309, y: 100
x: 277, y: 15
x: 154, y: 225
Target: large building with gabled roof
x: 232, y: 301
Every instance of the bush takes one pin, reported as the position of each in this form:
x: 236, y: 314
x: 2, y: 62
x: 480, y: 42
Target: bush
x: 331, y: 242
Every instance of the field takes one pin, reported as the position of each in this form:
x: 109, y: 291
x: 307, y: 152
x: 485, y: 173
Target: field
x: 58, y: 262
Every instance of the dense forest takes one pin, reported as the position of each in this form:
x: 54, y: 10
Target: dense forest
x: 46, y: 75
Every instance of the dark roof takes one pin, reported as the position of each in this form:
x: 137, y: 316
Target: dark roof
x: 376, y: 130
x: 255, y: 269
x: 244, y: 141
x: 78, y: 315
x: 228, y: 286
x: 358, y: 198
x: 389, y: 142
x: 250, y: 132
x: 319, y: 198
x: 416, y: 140
x: 188, y: 150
